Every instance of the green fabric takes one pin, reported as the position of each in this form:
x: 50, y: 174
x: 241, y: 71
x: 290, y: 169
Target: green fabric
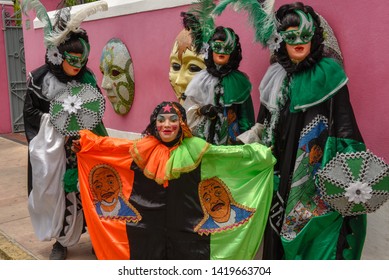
x: 94, y: 106
x: 340, y: 145
x: 248, y: 172
x: 237, y: 88
x: 358, y: 225
x: 186, y: 157
x: 100, y: 130
x: 76, y: 90
x: 246, y: 117
x: 89, y: 78
x: 73, y: 124
x: 312, y: 87
x: 70, y: 180
x: 317, y: 240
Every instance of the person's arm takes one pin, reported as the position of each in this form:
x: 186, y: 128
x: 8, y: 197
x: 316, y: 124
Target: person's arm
x: 33, y: 110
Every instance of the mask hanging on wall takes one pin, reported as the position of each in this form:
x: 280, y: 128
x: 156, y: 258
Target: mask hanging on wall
x: 185, y: 63
x: 118, y: 75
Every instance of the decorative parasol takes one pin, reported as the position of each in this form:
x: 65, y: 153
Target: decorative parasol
x: 77, y: 107
x: 355, y: 183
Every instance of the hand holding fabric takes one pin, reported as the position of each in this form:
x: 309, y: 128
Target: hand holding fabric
x: 209, y: 110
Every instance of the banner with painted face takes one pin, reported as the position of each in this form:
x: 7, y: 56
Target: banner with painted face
x: 214, y: 206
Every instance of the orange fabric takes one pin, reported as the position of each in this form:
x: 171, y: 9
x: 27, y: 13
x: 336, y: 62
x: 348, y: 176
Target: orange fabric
x: 113, y: 151
x: 151, y: 156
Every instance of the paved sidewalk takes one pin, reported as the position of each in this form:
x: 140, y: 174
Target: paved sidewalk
x: 17, y: 238
x: 18, y: 242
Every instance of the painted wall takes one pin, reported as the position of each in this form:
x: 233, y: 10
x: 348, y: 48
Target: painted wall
x: 359, y: 25
x: 5, y: 113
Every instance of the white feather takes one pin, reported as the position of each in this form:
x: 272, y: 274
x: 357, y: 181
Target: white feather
x: 73, y: 25
x: 268, y: 6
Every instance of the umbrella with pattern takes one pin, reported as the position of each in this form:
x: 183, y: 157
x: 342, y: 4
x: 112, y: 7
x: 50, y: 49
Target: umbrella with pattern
x: 76, y: 107
x: 355, y: 183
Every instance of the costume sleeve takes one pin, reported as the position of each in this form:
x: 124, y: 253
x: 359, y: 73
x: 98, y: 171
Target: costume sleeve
x: 33, y: 109
x: 246, y: 115
x: 344, y: 134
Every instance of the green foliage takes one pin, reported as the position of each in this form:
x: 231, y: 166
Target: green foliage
x: 17, y: 12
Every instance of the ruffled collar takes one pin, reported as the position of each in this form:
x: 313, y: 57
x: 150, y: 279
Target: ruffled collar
x: 307, y: 88
x: 161, y: 163
x: 316, y: 85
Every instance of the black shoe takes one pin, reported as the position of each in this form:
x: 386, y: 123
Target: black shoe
x: 58, y: 252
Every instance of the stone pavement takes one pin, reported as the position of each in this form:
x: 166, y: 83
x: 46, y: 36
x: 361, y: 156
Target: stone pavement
x: 18, y: 242
x: 17, y: 238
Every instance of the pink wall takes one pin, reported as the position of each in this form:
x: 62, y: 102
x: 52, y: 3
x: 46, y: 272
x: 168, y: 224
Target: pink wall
x: 361, y: 28
x: 5, y: 113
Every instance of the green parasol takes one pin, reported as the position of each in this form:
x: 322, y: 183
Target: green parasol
x: 78, y: 106
x: 355, y: 183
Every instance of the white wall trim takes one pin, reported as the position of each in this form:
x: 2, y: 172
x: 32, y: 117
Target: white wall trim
x: 6, y: 3
x: 124, y: 7
x: 123, y: 134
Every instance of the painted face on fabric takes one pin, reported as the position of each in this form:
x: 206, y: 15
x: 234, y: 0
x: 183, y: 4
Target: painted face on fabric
x: 298, y: 53
x: 168, y: 125
x: 215, y: 199
x: 71, y: 64
x: 184, y: 64
x: 105, y: 185
x: 118, y: 76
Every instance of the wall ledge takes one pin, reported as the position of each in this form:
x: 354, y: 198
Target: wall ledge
x: 10, y: 3
x: 123, y: 7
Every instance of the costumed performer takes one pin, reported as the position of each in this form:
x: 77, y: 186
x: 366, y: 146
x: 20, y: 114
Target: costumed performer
x: 218, y: 99
x: 307, y: 118
x: 54, y: 200
x: 188, y: 199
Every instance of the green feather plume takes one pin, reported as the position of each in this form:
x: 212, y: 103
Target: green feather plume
x: 261, y: 16
x: 203, y: 26
x: 41, y: 14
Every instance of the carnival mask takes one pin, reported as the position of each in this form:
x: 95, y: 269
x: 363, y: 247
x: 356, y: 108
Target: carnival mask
x: 303, y: 35
x: 224, y: 47
x: 76, y: 61
x: 118, y: 76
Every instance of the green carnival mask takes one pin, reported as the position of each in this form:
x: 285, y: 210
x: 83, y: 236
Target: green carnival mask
x: 227, y: 46
x: 76, y: 61
x: 303, y: 35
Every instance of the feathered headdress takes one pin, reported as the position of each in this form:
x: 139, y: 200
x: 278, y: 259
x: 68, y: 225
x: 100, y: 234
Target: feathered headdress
x: 201, y: 19
x: 67, y: 23
x: 261, y: 16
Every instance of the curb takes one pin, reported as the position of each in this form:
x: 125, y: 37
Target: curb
x: 10, y: 250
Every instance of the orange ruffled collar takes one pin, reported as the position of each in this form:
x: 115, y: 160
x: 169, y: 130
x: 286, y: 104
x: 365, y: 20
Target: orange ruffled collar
x: 151, y: 156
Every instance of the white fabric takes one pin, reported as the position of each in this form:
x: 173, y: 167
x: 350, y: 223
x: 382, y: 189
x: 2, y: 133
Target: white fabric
x: 46, y: 202
x: 253, y: 135
x: 51, y: 86
x: 270, y: 86
x: 199, y: 92
x: 75, y: 222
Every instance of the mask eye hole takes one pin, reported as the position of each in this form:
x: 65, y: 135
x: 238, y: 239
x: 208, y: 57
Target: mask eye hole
x: 194, y: 68
x: 176, y: 67
x: 290, y: 38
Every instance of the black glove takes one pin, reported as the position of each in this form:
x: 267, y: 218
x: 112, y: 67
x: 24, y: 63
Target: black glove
x: 209, y: 111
